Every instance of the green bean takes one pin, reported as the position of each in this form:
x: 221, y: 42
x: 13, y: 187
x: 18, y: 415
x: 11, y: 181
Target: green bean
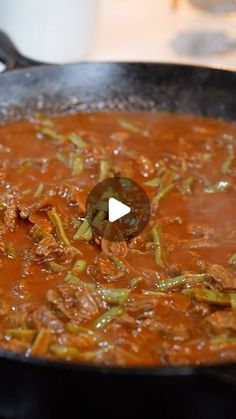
x: 104, y: 170
x: 135, y: 281
x: 100, y: 216
x: 110, y: 193
x: 233, y: 301
x: 70, y: 352
x: 73, y: 137
x: 126, y: 184
x: 211, y: 297
x: 75, y: 329
x: 64, y: 352
x: 162, y: 193
x: 152, y: 293
x: 75, y: 280
x: 39, y: 234
x: 40, y: 344
x: 108, y: 317
x: 78, y: 267
x: 102, y: 205
x: 89, y: 355
x: 57, y: 222
x: 61, y: 157
x: 222, y: 340
x: 77, y: 140
x: 186, y: 185
x: 52, y: 134
x: 130, y: 127
x: 232, y: 259
x: 39, y: 190
x: 120, y: 265
x: 228, y: 162
x: 76, y: 223
x: 55, y: 267
x: 206, y: 157
x: 77, y: 165
x: 159, y: 253
x: 84, y: 232
x: 22, y: 334
x: 221, y: 186
x: 114, y: 295
x: 169, y: 177
x: 153, y: 182
x: 40, y: 120
x: 180, y: 281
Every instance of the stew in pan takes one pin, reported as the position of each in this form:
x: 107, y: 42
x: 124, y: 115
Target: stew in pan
x: 165, y: 297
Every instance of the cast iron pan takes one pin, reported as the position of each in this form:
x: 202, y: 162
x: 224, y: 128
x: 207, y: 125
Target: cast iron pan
x: 39, y: 389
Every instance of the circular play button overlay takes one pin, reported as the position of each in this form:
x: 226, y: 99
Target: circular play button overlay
x: 118, y: 209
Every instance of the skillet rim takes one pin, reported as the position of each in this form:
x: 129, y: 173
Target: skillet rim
x: 43, y: 66
x: 220, y: 371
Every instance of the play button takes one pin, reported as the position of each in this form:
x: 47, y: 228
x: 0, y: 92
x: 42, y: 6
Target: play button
x: 117, y: 209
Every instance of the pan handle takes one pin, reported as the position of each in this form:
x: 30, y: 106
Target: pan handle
x: 11, y: 57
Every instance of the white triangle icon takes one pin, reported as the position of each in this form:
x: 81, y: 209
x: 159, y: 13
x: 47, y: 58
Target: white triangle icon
x: 116, y: 210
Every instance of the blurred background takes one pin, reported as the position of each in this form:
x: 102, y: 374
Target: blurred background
x: 167, y: 30
x: 189, y: 31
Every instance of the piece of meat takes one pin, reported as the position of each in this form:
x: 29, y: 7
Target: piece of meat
x: 116, y: 249
x: 104, y: 270
x: 9, y: 196
x: 137, y: 242
x: 140, y: 308
x: 74, y: 196
x: 44, y: 317
x: 10, y: 215
x: 125, y: 320
x: 46, y: 247
x: 202, y: 231
x: 19, y: 290
x: 41, y: 228
x: 67, y: 254
x: 169, y: 328
x: 223, y: 277
x: 222, y: 321
x: 200, y: 309
x: 45, y: 201
x: 26, y: 268
x: 22, y: 317
x: 76, y: 304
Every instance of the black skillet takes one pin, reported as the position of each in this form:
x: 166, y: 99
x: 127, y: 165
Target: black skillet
x: 39, y: 389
